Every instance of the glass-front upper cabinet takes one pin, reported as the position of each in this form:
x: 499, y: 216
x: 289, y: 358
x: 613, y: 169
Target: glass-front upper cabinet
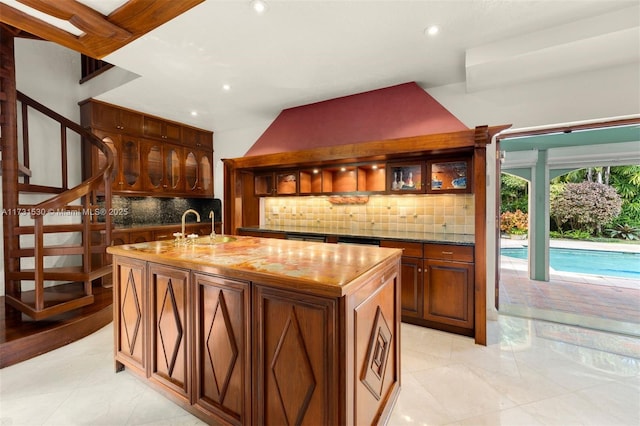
x: 130, y: 151
x: 173, y: 174
x: 406, y: 177
x: 153, y: 167
x: 191, y: 172
x: 205, y: 176
x: 449, y: 176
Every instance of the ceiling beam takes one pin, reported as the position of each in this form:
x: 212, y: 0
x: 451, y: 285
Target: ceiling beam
x: 102, y: 35
x: 81, y: 16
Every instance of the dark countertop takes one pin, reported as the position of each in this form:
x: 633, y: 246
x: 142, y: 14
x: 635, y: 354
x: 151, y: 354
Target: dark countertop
x: 422, y: 237
x: 158, y: 225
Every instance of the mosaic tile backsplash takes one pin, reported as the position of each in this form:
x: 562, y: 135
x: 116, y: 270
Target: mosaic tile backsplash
x: 140, y: 211
x: 448, y: 213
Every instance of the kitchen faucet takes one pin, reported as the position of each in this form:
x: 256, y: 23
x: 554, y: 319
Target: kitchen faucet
x: 184, y: 215
x: 213, y: 227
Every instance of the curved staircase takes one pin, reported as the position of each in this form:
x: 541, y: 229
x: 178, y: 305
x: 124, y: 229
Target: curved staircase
x: 54, y: 235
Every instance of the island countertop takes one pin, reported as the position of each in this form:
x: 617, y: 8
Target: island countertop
x: 326, y: 269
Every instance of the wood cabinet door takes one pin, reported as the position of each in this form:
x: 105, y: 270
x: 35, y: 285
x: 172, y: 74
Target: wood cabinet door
x: 198, y: 172
x: 295, y: 358
x: 140, y: 237
x: 197, y: 139
x: 222, y: 372
x: 160, y: 129
x: 174, y: 181
x: 448, y: 293
x: 130, y: 313
x: 169, y: 360
x: 130, y: 164
x: 152, y: 166
x: 411, y: 290
x: 119, y: 238
x: 115, y: 119
x: 205, y: 173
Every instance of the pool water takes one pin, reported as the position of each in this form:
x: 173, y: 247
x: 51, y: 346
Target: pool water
x: 595, y: 262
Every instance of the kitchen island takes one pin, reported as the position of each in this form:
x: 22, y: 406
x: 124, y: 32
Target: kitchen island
x: 245, y: 330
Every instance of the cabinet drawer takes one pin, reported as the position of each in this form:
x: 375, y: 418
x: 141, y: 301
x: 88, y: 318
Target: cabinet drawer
x: 448, y: 252
x: 409, y: 249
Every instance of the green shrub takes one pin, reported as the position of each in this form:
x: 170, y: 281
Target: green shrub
x: 576, y: 234
x: 585, y: 206
x: 624, y: 232
x: 516, y: 223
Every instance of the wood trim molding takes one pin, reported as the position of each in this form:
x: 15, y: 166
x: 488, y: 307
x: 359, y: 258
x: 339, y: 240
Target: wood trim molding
x: 102, y: 34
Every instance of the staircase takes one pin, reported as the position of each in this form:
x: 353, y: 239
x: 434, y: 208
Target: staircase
x: 54, y: 236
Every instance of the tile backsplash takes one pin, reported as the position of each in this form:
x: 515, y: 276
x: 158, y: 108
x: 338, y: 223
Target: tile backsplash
x: 448, y: 213
x: 140, y: 211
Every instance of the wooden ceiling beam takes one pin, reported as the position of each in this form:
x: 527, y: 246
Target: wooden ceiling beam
x: 41, y: 29
x: 103, y: 35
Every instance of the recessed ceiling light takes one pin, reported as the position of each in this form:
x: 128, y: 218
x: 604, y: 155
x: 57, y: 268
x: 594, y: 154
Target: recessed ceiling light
x: 226, y: 87
x: 432, y: 30
x: 259, y: 6
x: 194, y: 113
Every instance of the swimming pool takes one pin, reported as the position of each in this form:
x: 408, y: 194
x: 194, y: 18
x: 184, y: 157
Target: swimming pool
x: 595, y: 262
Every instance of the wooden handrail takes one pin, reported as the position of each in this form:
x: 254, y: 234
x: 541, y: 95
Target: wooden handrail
x: 85, y: 190
x: 86, y: 186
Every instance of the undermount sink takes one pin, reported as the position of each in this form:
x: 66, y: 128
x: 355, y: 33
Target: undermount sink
x: 210, y: 241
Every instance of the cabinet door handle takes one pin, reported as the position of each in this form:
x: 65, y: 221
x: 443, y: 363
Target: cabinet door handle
x: 447, y: 252
x: 419, y: 269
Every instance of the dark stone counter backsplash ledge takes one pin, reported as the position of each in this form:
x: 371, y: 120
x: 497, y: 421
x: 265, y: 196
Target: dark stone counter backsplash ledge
x: 141, y: 211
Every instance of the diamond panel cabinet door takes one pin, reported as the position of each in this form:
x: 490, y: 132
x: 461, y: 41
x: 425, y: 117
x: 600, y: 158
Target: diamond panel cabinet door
x: 222, y: 341
x: 170, y: 341
x: 129, y: 313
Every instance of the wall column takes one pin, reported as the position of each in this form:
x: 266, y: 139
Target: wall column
x: 539, y: 220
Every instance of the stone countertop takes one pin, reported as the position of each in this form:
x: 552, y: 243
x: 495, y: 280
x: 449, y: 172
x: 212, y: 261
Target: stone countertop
x: 318, y: 268
x: 422, y: 237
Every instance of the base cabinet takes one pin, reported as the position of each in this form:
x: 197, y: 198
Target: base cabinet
x: 295, y: 339
x: 222, y: 369
x: 245, y: 352
x: 130, y: 326
x: 170, y: 331
x: 437, y: 285
x: 448, y: 293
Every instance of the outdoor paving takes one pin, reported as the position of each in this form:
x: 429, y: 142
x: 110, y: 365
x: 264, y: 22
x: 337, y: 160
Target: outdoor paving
x: 599, y: 302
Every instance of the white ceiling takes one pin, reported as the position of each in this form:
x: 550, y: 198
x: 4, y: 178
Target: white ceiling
x: 301, y: 52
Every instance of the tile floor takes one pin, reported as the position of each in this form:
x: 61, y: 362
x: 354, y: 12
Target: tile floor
x: 526, y: 375
x: 598, y: 302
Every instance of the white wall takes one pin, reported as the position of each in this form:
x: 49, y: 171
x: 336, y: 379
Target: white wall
x: 49, y: 74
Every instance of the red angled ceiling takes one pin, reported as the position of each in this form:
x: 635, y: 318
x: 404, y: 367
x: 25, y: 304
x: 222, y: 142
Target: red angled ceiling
x: 393, y: 112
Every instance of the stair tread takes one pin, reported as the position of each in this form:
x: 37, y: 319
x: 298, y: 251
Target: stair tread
x: 74, y: 227
x: 71, y: 273
x: 60, y: 249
